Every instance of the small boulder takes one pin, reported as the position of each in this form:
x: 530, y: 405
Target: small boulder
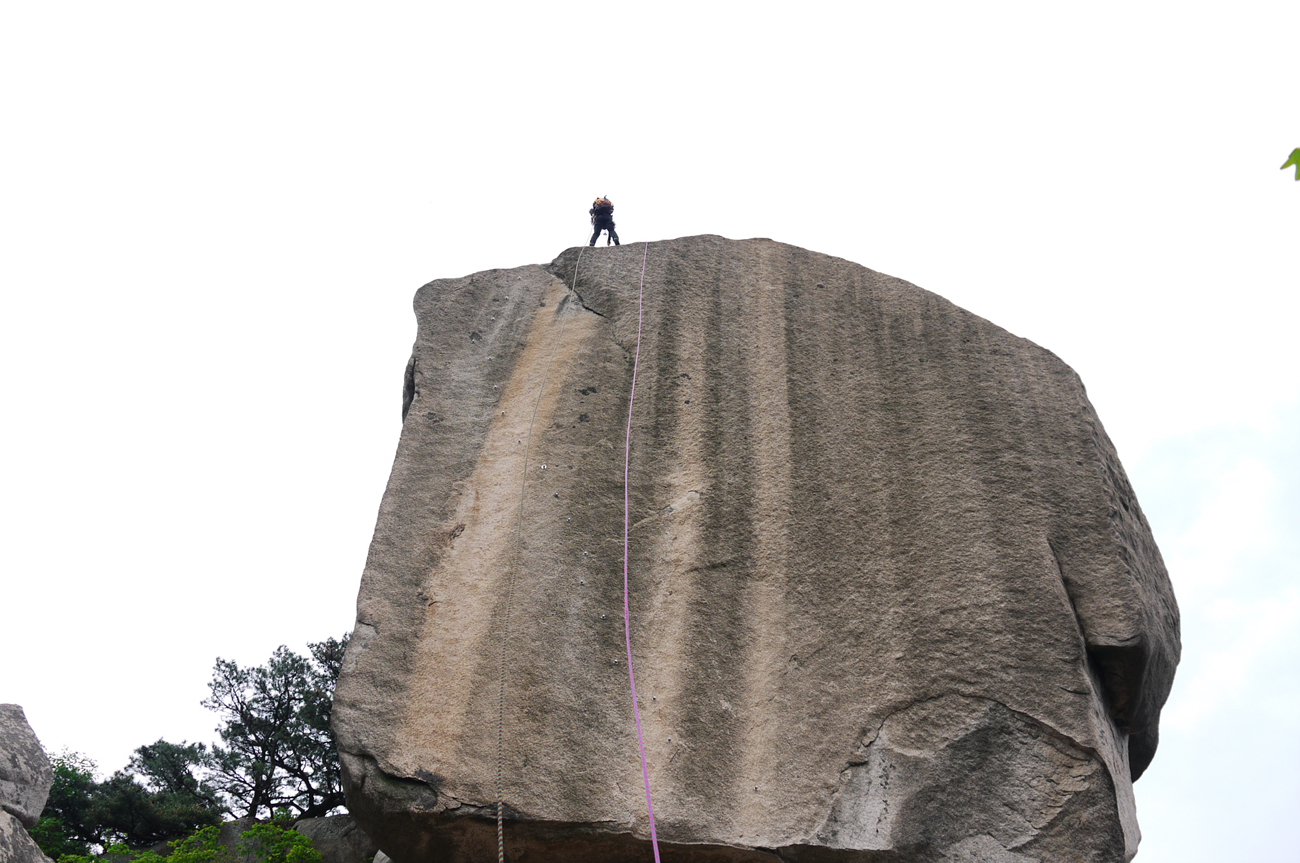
x: 231, y: 833
x: 338, y: 839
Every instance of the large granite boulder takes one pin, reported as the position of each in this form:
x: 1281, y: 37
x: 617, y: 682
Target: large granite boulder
x: 25, y: 781
x: 892, y: 596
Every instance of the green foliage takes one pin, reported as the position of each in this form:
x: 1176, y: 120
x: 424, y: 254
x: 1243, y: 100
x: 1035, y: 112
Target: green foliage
x: 137, y: 815
x: 171, y: 768
x: 203, y: 846
x: 68, y: 825
x: 82, y: 813
x: 274, y: 844
x: 1294, y: 160
x: 262, y: 843
x: 278, y: 750
x: 51, y: 836
x: 277, y: 758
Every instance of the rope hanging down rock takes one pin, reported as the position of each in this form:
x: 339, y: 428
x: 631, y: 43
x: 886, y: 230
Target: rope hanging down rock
x: 627, y: 614
x: 514, y: 569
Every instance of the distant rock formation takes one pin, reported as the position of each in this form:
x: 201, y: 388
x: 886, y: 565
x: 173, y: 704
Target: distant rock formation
x: 893, y: 598
x: 338, y: 839
x: 25, y: 781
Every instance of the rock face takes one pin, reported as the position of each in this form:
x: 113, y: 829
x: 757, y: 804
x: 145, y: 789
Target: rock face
x: 338, y: 839
x: 892, y: 596
x: 25, y: 781
x: 16, y: 846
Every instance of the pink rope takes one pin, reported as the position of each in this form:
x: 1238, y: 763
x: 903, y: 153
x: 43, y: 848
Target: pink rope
x: 627, y: 613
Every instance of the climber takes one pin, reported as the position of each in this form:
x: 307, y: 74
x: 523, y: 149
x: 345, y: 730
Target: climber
x: 602, y: 219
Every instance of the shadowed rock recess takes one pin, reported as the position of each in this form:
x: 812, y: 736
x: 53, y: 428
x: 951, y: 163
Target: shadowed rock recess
x: 893, y: 598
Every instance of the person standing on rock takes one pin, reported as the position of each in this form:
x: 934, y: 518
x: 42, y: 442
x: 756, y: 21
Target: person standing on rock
x: 602, y: 219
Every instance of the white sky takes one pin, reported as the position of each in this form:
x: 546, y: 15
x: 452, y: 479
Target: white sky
x: 214, y: 216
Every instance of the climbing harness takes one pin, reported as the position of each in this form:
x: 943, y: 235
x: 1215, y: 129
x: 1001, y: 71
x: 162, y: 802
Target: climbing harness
x: 627, y: 614
x: 510, y: 585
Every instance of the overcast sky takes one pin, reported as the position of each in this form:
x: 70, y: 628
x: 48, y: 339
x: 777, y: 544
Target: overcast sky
x: 214, y: 216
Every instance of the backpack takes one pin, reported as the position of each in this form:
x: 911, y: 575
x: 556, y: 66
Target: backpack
x: 603, y: 207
